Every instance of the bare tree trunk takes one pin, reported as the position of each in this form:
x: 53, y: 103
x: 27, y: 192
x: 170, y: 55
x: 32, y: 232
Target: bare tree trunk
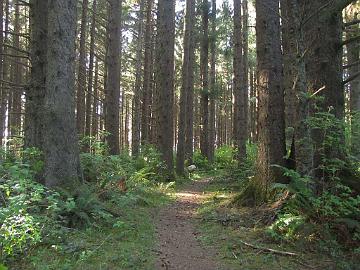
x: 146, y: 97
x: 95, y: 114
x: 136, y: 115
x: 240, y: 91
x: 80, y: 108
x: 323, y: 37
x: 189, y: 125
x: 62, y: 162
x: 3, y: 92
x: 165, y: 80
x: 186, y: 88
x: 253, y: 102
x: 245, y: 90
x: 127, y: 122
x: 122, y: 120
x: 197, y: 122
x: 5, y: 72
x: 353, y: 50
x: 212, y: 114
x: 296, y: 79
x: 36, y: 93
x: 204, y: 100
x: 271, y: 103
x: 90, y: 90
x: 17, y: 72
x: 112, y: 92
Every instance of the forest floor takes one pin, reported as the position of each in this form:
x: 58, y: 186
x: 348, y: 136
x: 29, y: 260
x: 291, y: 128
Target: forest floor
x: 194, y: 227
x: 200, y: 230
x: 178, y: 246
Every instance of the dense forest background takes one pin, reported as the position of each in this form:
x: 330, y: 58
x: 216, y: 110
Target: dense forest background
x: 103, y: 101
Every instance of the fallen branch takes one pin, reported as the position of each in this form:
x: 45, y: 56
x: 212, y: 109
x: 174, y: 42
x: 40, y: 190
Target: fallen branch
x: 284, y: 253
x: 351, y: 78
x: 347, y: 24
x: 350, y: 40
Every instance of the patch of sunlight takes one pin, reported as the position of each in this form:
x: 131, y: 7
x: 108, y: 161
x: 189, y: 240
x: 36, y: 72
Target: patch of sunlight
x: 185, y: 194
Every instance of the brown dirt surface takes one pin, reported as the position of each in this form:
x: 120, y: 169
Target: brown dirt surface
x: 179, y: 247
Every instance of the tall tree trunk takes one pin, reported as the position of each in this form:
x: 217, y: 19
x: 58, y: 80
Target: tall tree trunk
x: 127, y: 122
x: 323, y: 37
x: 80, y: 102
x: 62, y: 162
x: 95, y: 114
x: 189, y: 122
x: 146, y: 97
x: 296, y: 79
x: 197, y: 122
x: 353, y: 50
x: 165, y: 80
x: 187, y: 75
x: 204, y: 100
x: 5, y: 73
x: 112, y: 92
x: 90, y: 90
x: 3, y: 92
x: 34, y: 109
x: 240, y: 91
x: 136, y: 115
x: 17, y: 73
x: 253, y: 99
x: 212, y: 113
x: 271, y: 103
x: 245, y: 62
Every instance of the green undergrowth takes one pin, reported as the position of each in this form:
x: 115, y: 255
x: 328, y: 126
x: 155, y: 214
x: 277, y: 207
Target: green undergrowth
x: 107, y: 223
x: 228, y: 227
x: 125, y: 245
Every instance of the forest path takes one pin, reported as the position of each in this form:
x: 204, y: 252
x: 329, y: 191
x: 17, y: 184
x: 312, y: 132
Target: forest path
x: 179, y: 248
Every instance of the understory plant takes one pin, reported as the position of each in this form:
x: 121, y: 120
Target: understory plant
x: 330, y: 203
x: 31, y: 214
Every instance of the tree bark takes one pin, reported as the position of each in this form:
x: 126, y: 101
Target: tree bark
x: 34, y: 107
x: 80, y: 102
x: 165, y: 81
x: 16, y: 74
x: 296, y: 80
x: 146, y: 97
x: 90, y: 90
x: 187, y: 70
x: 212, y: 114
x: 204, y: 99
x: 245, y: 26
x: 95, y: 114
x: 62, y: 163
x: 112, y: 92
x: 189, y: 128
x: 323, y: 36
x: 240, y: 90
x: 271, y: 148
x: 136, y: 113
x: 3, y: 92
x: 354, y: 86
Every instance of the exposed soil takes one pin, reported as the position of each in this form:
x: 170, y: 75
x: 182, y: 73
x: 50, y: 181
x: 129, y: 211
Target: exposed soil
x: 179, y: 247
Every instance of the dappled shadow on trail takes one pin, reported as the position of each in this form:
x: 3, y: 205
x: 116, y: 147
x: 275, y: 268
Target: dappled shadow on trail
x: 179, y: 248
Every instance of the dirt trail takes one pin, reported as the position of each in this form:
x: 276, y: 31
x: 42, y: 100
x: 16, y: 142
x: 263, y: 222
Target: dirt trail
x: 179, y: 248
